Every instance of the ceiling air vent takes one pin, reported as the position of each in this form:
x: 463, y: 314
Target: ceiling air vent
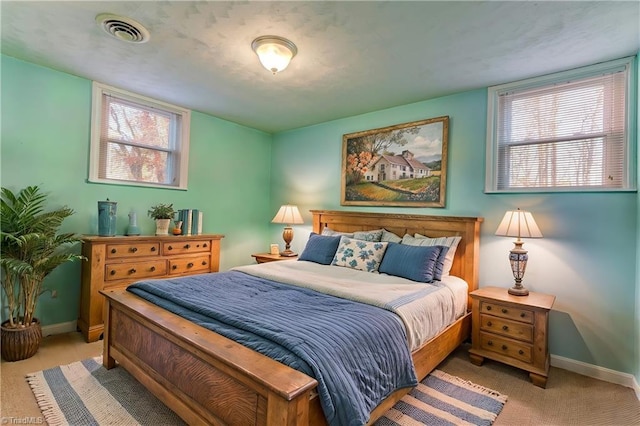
x: 122, y: 28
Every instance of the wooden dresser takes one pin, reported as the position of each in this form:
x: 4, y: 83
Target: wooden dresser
x: 114, y: 262
x: 512, y: 329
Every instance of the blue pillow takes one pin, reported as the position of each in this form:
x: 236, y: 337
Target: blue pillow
x: 416, y: 263
x: 320, y: 248
x: 438, y: 271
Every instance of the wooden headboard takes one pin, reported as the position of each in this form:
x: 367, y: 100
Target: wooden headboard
x: 465, y: 262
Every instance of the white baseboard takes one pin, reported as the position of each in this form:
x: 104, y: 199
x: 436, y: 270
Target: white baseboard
x: 601, y: 373
x: 61, y: 328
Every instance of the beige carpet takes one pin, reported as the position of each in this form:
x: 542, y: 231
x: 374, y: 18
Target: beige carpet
x: 570, y: 399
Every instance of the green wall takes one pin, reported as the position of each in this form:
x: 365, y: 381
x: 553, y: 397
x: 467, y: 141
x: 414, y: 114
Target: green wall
x: 637, y: 331
x: 45, y: 141
x: 587, y: 257
x: 239, y: 176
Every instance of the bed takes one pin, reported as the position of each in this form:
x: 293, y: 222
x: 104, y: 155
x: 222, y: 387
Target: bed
x: 209, y: 379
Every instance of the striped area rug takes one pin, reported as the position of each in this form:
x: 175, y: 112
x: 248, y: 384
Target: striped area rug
x: 85, y: 393
x: 443, y: 399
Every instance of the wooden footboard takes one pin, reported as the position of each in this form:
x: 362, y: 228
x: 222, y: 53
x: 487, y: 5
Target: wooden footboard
x: 208, y: 379
x: 204, y: 377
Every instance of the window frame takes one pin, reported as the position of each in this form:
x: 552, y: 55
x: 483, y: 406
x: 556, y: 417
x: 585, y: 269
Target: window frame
x: 181, y: 136
x: 629, y: 181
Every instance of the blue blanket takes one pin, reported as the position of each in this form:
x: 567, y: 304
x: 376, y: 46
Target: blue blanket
x: 357, y: 352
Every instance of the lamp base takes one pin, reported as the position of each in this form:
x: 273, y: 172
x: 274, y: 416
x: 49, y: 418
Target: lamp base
x: 518, y: 291
x: 288, y: 253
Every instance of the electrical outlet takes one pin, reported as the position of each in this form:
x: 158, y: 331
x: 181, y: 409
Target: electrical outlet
x: 54, y: 294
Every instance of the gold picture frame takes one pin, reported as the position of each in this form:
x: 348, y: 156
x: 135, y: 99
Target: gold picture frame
x: 404, y: 165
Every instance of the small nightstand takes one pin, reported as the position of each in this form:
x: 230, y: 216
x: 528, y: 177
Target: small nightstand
x: 268, y: 257
x: 513, y: 330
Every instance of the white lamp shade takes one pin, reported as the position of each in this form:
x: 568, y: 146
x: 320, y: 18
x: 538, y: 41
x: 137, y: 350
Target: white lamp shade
x: 274, y: 52
x: 288, y: 214
x: 518, y: 223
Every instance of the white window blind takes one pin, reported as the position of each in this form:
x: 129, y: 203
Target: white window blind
x: 138, y: 141
x: 565, y: 132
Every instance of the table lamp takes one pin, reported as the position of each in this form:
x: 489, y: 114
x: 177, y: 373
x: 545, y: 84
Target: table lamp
x: 520, y: 224
x: 289, y: 215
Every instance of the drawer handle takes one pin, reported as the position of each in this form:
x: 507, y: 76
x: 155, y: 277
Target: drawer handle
x: 187, y: 246
x: 504, y: 347
x: 204, y: 245
x: 522, y: 315
x: 133, y: 249
x: 504, y: 311
x: 153, y: 268
x: 113, y: 250
x: 204, y: 262
x: 153, y: 249
x: 490, y: 343
x: 132, y: 270
x: 170, y: 248
x: 505, y: 328
x: 521, y: 352
x: 190, y: 265
x: 488, y: 308
x: 113, y: 272
x: 489, y: 324
x: 174, y: 267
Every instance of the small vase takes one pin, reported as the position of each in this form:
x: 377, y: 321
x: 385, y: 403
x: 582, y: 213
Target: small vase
x: 107, y: 211
x: 177, y: 229
x: 162, y: 226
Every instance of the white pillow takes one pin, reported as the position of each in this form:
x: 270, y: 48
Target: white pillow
x: 359, y: 254
x: 451, y: 242
x: 390, y: 237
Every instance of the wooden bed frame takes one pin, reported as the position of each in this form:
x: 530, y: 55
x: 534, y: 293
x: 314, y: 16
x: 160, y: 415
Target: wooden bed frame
x: 208, y: 379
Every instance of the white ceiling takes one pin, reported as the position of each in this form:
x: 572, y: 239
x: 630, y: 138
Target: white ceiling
x: 353, y: 57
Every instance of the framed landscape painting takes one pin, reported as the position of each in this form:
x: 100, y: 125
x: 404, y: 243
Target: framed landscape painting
x: 402, y: 165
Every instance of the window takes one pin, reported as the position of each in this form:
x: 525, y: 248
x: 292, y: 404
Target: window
x: 571, y: 131
x: 137, y: 140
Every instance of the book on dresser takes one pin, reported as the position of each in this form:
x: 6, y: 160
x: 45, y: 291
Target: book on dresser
x: 191, y: 221
x: 116, y: 262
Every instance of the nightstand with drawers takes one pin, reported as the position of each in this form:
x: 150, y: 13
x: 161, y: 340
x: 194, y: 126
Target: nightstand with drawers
x: 268, y: 257
x: 513, y: 330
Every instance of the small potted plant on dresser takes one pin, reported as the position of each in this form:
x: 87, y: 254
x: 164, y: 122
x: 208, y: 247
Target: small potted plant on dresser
x: 162, y: 213
x: 31, y: 249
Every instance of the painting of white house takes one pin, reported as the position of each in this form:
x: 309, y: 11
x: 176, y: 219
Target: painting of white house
x: 401, y: 165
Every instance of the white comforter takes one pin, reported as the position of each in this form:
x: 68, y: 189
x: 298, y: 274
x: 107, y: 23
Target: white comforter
x: 423, y: 317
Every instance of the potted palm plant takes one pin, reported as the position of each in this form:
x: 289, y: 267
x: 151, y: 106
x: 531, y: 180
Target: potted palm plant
x: 31, y: 249
x: 162, y: 213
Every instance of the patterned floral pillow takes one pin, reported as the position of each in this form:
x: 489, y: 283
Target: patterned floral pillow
x: 375, y: 235
x: 358, y: 254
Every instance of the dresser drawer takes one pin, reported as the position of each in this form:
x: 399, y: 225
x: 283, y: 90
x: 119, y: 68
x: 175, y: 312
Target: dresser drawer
x: 505, y: 327
x: 522, y: 315
x: 188, y: 265
x: 137, y: 270
x: 506, y: 347
x: 183, y: 247
x: 118, y: 251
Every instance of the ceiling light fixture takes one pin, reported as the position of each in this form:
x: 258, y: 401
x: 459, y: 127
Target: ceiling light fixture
x: 274, y: 52
x: 125, y: 29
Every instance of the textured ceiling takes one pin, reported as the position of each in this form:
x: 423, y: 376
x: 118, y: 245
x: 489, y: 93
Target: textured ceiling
x: 353, y: 57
